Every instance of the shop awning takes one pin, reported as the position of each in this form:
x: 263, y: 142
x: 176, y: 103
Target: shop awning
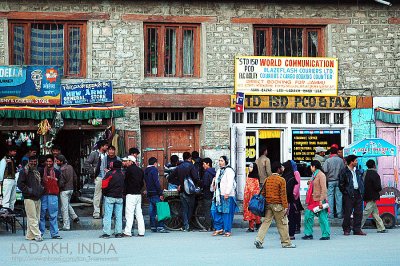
x: 388, y: 116
x: 371, y: 147
x: 76, y: 112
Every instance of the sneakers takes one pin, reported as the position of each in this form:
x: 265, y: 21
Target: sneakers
x: 307, y: 237
x: 105, y: 236
x: 38, y: 239
x: 56, y: 237
x: 383, y: 231
x: 258, y: 244
x: 162, y: 231
x: 290, y: 246
x: 325, y: 238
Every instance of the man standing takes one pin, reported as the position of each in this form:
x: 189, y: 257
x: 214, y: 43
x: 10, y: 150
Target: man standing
x: 49, y: 201
x: 352, y: 187
x: 29, y: 182
x: 93, y: 165
x: 154, y: 194
x: 181, y: 172
x: 110, y: 159
x: 209, y: 174
x: 264, y: 166
x: 332, y: 167
x: 133, y: 190
x: 320, y: 155
x: 274, y: 192
x: 373, y: 186
x: 67, y: 182
x: 113, y: 190
x: 135, y: 153
x: 55, y: 151
x: 8, y: 166
x: 32, y: 151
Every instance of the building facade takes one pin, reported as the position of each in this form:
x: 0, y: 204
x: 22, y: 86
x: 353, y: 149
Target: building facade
x: 172, y: 67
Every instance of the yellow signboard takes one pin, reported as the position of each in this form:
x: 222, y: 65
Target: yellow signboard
x: 275, y: 75
x: 297, y: 102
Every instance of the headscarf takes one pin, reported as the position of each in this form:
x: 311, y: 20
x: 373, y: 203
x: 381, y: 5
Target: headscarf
x: 254, y: 173
x: 294, y: 165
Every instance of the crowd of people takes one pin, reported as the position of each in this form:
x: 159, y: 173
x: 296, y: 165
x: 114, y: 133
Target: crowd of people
x: 335, y: 186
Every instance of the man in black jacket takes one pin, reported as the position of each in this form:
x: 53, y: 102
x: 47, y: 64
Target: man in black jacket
x: 134, y: 183
x: 29, y: 182
x: 113, y: 190
x: 352, y: 187
x: 181, y: 172
x: 373, y: 186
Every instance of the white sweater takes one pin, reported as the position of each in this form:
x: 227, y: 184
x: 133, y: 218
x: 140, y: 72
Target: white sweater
x: 228, y: 183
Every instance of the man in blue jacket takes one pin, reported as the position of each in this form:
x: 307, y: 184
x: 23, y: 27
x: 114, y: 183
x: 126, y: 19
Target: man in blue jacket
x: 154, y: 194
x: 352, y: 186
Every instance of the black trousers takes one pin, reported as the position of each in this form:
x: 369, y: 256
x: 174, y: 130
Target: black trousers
x: 352, y: 205
x: 292, y: 218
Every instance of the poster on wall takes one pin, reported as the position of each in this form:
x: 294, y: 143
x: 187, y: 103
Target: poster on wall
x: 251, y: 146
x: 275, y: 75
x: 86, y: 93
x: 30, y: 85
x: 304, y: 142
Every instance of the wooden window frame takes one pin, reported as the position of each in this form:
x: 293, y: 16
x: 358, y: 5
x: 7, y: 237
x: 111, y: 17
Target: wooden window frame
x: 180, y: 27
x: 66, y: 26
x: 306, y: 29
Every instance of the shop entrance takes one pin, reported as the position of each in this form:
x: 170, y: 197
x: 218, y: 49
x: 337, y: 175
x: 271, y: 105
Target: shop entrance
x: 270, y: 140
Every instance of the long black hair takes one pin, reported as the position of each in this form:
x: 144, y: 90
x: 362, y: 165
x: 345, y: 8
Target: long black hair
x: 254, y: 173
x: 288, y: 172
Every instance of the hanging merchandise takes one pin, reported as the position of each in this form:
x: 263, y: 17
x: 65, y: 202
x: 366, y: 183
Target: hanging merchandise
x: 95, y: 122
x: 44, y: 127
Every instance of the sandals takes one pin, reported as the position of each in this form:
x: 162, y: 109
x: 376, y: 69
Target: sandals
x: 227, y: 234
x: 218, y: 232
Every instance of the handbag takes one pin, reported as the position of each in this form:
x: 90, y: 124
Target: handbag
x: 257, y: 204
x: 163, y: 211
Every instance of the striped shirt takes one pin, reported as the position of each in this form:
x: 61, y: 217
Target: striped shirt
x: 274, y: 190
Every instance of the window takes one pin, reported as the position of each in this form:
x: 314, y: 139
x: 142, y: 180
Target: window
x: 296, y: 118
x: 252, y: 117
x: 146, y: 116
x: 324, y: 118
x: 176, y: 116
x: 310, y: 118
x: 172, y: 50
x: 338, y: 118
x: 61, y: 44
x: 237, y: 118
x: 280, y: 118
x: 192, y: 115
x: 266, y: 118
x: 288, y: 41
x: 160, y: 116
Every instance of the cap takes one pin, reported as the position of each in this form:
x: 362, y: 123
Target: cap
x: 132, y: 158
x: 335, y: 146
x: 125, y: 158
x: 319, y: 149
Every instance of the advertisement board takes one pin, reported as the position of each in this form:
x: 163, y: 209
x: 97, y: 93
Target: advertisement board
x: 30, y: 85
x: 274, y: 75
x: 86, y: 93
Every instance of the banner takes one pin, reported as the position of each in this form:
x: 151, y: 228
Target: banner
x: 86, y: 93
x: 30, y: 85
x: 239, y: 102
x: 286, y: 75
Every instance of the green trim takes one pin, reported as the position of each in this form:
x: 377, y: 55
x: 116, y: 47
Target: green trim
x: 388, y: 118
x: 67, y: 114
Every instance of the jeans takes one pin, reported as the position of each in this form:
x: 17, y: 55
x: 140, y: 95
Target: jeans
x: 112, y: 205
x: 50, y: 204
x: 187, y: 202
x: 9, y: 193
x: 334, y: 194
x: 66, y: 208
x: 153, y: 212
x: 134, y: 208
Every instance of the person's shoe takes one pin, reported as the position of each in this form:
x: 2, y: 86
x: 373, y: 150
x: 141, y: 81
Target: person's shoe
x: 118, y: 236
x: 258, y: 244
x: 290, y: 246
x: 249, y: 230
x: 292, y: 238
x: 203, y: 230
x: 56, y: 237
x: 346, y: 233
x: 125, y: 235
x: 140, y: 235
x: 154, y: 230
x: 65, y: 229
x: 258, y: 226
x: 359, y: 233
x: 383, y: 231
x: 162, y: 231
x: 105, y: 236
x: 38, y: 239
x: 325, y: 238
x: 96, y: 217
x: 307, y: 237
x: 76, y: 220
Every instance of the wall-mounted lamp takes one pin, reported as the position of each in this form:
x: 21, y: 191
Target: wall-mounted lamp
x: 384, y: 2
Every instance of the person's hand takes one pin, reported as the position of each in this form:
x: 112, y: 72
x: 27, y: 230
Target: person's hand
x: 179, y: 189
x: 161, y: 198
x: 286, y: 211
x: 226, y: 196
x: 145, y: 192
x: 320, y: 205
x: 308, y: 182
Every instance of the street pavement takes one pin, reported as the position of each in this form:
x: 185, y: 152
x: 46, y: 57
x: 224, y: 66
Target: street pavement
x: 84, y: 247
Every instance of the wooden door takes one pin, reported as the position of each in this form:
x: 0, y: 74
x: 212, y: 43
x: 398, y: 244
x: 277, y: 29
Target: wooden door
x: 153, y: 145
x: 387, y: 164
x: 181, y: 140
